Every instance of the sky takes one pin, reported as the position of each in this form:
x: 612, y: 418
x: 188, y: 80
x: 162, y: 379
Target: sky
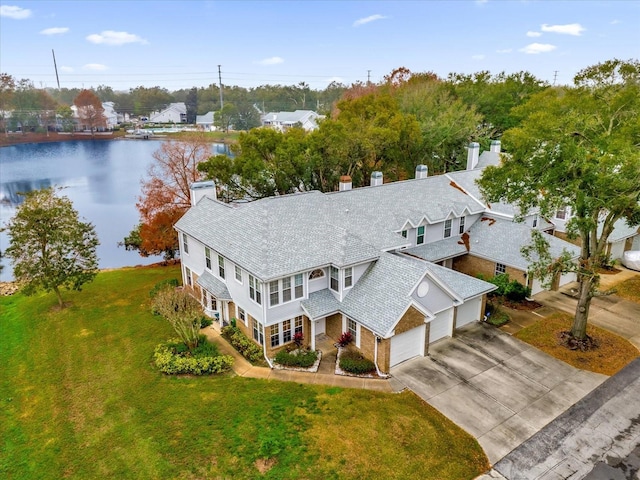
x: 180, y: 44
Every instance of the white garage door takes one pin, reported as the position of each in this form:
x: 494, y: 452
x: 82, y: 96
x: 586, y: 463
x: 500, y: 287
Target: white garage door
x: 468, y: 312
x: 441, y: 326
x: 407, y: 345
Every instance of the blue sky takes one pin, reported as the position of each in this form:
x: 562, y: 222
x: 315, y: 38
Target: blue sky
x: 180, y: 44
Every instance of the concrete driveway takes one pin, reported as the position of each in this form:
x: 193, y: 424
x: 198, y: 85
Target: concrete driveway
x: 499, y: 389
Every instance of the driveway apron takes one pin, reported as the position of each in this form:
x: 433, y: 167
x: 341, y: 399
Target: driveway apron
x: 498, y: 388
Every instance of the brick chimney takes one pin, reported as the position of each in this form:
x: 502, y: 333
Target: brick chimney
x: 473, y: 155
x: 202, y: 189
x: 345, y: 183
x: 422, y: 171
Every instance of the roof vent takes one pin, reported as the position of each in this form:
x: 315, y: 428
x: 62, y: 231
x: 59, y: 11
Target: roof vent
x: 376, y: 179
x: 345, y: 183
x: 422, y: 171
x: 495, y: 146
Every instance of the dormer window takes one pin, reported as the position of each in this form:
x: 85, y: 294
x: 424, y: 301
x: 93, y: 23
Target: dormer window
x: 335, y: 283
x: 404, y: 233
x: 447, y: 228
x: 461, y: 228
x: 317, y: 273
x: 420, y: 235
x: 348, y: 277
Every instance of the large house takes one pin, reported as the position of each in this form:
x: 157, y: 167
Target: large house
x: 390, y: 263
x: 282, y: 121
x: 174, y: 113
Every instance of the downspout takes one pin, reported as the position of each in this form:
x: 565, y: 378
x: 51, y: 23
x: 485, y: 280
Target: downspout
x: 264, y: 347
x: 375, y: 357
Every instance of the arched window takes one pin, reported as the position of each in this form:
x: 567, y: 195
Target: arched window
x: 317, y: 273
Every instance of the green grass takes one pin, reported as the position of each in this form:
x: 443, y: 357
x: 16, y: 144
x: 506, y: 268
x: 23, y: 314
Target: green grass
x: 80, y: 399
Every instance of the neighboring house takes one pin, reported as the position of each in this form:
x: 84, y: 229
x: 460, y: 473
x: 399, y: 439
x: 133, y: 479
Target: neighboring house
x: 205, y: 122
x: 360, y: 260
x: 174, y: 113
x: 282, y: 121
x: 110, y: 114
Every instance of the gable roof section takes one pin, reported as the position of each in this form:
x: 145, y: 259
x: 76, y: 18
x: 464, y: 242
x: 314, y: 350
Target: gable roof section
x: 464, y: 286
x: 621, y: 231
x: 439, y: 250
x: 466, y: 179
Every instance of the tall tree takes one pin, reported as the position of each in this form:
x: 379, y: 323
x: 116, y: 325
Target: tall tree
x: 166, y: 194
x: 577, y: 147
x: 191, y: 102
x: 49, y: 246
x: 90, y: 110
x: 7, y: 90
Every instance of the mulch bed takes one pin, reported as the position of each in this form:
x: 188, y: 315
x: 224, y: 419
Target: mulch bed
x: 526, y: 305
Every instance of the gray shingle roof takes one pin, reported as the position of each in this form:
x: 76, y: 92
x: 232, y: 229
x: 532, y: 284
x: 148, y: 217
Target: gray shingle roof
x: 320, y: 304
x: 440, y: 250
x: 214, y: 286
x: 620, y: 231
x: 462, y: 285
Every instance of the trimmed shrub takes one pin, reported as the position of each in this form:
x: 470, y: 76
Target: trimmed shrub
x: 244, y: 345
x: 512, y: 290
x: 171, y: 359
x: 345, y: 339
x: 297, y: 358
x: 352, y: 361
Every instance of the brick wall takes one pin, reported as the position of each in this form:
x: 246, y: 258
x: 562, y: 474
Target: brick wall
x: 411, y: 319
x: 474, y: 265
x: 333, y: 326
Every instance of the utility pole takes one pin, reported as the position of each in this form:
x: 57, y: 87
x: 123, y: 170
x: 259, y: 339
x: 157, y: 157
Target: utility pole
x: 220, y: 84
x: 56, y: 67
x: 555, y: 75
x: 368, y: 77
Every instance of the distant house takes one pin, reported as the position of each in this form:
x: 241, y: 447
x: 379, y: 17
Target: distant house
x: 174, y: 113
x: 205, y: 122
x: 282, y: 121
x: 110, y: 114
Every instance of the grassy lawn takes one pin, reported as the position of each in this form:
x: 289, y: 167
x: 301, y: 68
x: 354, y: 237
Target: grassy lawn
x: 629, y: 289
x: 80, y: 399
x: 613, y: 353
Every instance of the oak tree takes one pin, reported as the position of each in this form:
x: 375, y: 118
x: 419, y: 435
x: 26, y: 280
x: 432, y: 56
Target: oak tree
x: 90, y: 110
x: 49, y: 246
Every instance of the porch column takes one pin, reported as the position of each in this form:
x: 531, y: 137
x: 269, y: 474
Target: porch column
x: 313, y: 335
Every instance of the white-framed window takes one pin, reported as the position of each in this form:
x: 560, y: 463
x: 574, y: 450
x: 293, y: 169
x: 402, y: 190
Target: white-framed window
x: 352, y: 328
x: 286, y: 289
x: 335, y: 283
x: 254, y: 290
x: 286, y: 331
x: 561, y: 213
x: 348, y: 277
x: 461, y: 226
x: 258, y: 334
x: 420, y: 235
x: 317, y: 273
x: 242, y: 315
x: 535, y: 221
x: 213, y: 303
x: 447, y: 228
x: 274, y: 293
x: 185, y: 243
x: 403, y: 233
x: 221, y: 266
x: 238, y: 274
x: 500, y: 268
x: 298, y: 286
x: 274, y: 335
x: 207, y: 257
x: 297, y: 324
x: 188, y: 277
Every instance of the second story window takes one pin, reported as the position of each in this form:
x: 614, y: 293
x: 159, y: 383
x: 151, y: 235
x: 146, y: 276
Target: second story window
x: 185, y: 243
x: 447, y: 228
x: 334, y: 278
x: 274, y: 293
x: 238, y: 274
x: 404, y: 233
x: 221, y: 266
x: 254, y: 290
x: 461, y: 229
x: 561, y: 213
x: 348, y: 277
x: 207, y: 257
x: 420, y: 235
x: 299, y: 288
x: 286, y: 289
x: 317, y: 273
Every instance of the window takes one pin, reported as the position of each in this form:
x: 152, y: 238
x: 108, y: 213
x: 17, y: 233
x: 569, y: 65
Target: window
x: 333, y: 271
x: 187, y: 276
x: 461, y: 228
x: 298, y: 325
x: 274, y: 294
x: 348, y: 277
x: 404, y: 233
x: 352, y: 329
x: 274, y: 334
x: 185, y: 243
x: 221, y: 266
x: 317, y: 273
x: 535, y: 221
x: 420, y: 235
x: 500, y: 268
x: 238, y: 274
x: 258, y: 335
x: 447, y: 228
x: 242, y: 315
x: 213, y: 303
x: 561, y: 213
x: 286, y: 331
x: 254, y: 290
x: 286, y: 289
x: 298, y: 286
x: 207, y: 257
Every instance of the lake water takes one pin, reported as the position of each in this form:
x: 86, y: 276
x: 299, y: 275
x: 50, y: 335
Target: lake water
x: 102, y: 179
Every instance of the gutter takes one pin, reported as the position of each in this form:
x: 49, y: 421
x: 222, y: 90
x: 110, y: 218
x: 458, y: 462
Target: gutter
x: 264, y: 347
x: 375, y: 357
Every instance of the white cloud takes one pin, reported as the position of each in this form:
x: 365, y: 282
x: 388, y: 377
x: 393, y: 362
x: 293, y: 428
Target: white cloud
x: 569, y: 29
x: 477, y: 57
x: 369, y: 19
x: 66, y: 69
x: 54, y: 31
x: 535, y: 48
x: 533, y: 34
x: 614, y: 22
x: 14, y: 12
x: 109, y: 37
x: 505, y: 50
x: 98, y: 67
x: 270, y: 61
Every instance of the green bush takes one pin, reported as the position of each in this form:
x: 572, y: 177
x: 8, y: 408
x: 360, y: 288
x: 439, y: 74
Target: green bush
x: 205, y: 322
x: 171, y: 359
x: 244, y: 345
x: 297, y: 358
x: 511, y: 289
x: 353, y: 362
x: 495, y: 315
x: 169, y: 282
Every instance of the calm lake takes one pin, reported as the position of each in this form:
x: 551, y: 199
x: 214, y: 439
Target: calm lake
x: 102, y: 179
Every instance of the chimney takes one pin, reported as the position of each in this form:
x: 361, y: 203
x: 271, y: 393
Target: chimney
x: 472, y: 155
x: 421, y: 171
x: 376, y: 179
x: 202, y: 189
x: 495, y: 146
x: 345, y: 183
